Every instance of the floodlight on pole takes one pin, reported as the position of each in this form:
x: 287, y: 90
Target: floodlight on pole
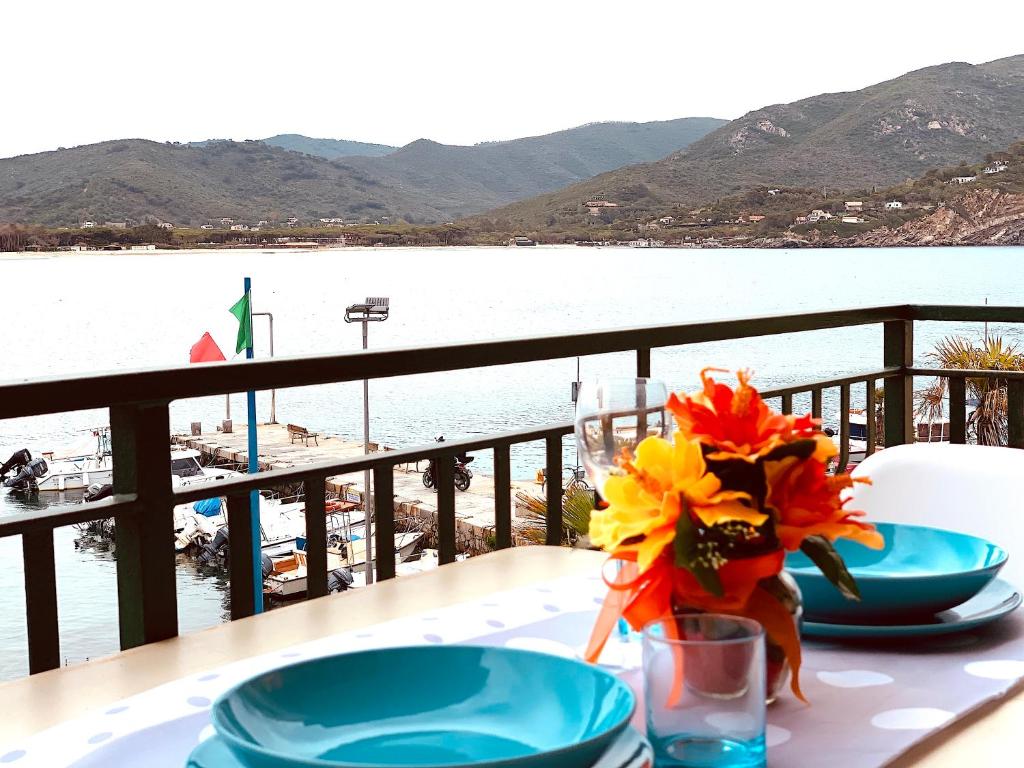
x: 374, y: 310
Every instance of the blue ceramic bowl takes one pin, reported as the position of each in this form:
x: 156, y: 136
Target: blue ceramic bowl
x: 920, y: 572
x: 426, y: 706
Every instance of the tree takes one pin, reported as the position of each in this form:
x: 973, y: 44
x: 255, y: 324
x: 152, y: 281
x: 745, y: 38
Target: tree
x: 987, y: 423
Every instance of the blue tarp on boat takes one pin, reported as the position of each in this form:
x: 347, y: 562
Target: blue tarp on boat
x: 207, y: 507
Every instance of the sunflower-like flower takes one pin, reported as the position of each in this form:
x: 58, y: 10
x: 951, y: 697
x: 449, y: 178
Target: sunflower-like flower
x: 736, y: 424
x: 645, y: 500
x: 806, y: 501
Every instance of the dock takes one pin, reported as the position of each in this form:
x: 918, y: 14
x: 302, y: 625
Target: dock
x: 417, y: 505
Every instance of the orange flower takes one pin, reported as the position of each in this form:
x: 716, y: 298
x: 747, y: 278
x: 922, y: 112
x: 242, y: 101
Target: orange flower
x: 644, y: 501
x: 736, y: 422
x: 806, y: 501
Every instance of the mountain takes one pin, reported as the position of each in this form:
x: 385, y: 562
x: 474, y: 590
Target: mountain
x: 331, y: 149
x: 421, y: 182
x: 877, y: 136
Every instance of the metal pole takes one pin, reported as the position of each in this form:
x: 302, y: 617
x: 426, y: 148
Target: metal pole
x: 273, y: 392
x: 253, y: 468
x: 367, y: 495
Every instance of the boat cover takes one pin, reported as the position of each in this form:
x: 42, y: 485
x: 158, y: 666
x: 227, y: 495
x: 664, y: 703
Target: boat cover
x: 207, y: 507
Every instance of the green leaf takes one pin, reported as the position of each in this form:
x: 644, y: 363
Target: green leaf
x: 824, y: 555
x: 688, y: 552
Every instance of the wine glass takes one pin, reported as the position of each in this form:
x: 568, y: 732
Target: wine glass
x: 617, y: 414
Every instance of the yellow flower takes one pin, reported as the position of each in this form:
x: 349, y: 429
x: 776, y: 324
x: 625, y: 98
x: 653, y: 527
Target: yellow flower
x: 644, y: 502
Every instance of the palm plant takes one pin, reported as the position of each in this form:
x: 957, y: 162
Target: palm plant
x: 987, y: 423
x: 577, y: 504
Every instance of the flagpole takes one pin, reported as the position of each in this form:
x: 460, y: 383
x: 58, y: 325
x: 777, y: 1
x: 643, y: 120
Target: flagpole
x: 254, y: 495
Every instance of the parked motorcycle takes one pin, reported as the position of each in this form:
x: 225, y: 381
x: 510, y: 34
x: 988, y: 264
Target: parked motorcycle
x: 463, y: 474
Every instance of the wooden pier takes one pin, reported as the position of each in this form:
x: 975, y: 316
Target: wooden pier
x: 474, y: 508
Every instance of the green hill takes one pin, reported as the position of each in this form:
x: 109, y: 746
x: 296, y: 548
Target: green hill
x: 249, y: 181
x: 877, y: 136
x: 331, y: 149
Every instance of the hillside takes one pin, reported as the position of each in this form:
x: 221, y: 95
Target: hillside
x: 330, y: 149
x: 250, y: 181
x: 876, y: 136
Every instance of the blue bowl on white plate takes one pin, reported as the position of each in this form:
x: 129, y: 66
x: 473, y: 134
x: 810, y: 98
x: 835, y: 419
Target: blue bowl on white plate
x: 426, y: 707
x: 921, y: 571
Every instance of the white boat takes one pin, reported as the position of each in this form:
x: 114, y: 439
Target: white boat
x: 289, y: 573
x: 73, y: 469
x: 935, y: 431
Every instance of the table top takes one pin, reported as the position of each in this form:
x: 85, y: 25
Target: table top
x: 41, y: 701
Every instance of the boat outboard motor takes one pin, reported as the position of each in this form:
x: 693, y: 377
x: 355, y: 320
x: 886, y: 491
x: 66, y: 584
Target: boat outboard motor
x: 220, y: 541
x: 98, y: 491
x: 267, y: 565
x: 339, y: 580
x: 26, y: 479
x: 18, y: 460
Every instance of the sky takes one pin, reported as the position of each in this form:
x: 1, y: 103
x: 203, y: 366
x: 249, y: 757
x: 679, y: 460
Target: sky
x: 457, y: 72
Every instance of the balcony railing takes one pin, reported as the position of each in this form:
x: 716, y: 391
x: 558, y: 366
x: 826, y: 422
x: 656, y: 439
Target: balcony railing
x: 144, y: 498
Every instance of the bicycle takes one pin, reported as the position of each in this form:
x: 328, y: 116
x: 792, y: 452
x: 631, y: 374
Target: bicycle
x: 575, y: 479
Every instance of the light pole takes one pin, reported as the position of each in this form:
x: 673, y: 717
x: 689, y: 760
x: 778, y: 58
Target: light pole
x: 375, y: 310
x: 273, y: 392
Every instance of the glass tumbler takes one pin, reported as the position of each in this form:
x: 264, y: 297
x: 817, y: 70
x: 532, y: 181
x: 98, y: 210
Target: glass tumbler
x: 704, y: 678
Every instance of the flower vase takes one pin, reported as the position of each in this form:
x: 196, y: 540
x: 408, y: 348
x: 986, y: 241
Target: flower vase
x: 785, y: 589
x: 723, y: 677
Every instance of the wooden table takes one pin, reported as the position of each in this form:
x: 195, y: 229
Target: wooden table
x: 34, y: 703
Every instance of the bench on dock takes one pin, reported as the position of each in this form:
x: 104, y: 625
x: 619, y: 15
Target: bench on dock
x: 296, y: 432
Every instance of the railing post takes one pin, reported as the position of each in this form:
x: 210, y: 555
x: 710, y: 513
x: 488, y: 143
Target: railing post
x: 41, y: 601
x: 384, y: 521
x: 502, y: 498
x: 240, y: 554
x: 1015, y: 413
x: 314, y: 491
x: 787, y: 404
x: 957, y: 410
x: 643, y: 363
x: 146, y: 598
x: 898, y: 342
x: 816, y: 403
x: 554, y: 490
x: 844, y: 428
x: 445, y: 484
x: 869, y: 409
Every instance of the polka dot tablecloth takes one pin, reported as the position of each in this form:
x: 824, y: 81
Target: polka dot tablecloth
x: 869, y: 702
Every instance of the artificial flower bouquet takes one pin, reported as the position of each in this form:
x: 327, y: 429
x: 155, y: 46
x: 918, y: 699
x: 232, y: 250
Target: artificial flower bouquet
x: 703, y: 521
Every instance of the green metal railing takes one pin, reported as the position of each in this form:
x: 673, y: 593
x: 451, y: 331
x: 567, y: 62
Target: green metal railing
x: 144, y: 499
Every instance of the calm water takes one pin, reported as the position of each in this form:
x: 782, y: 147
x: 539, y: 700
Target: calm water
x: 78, y: 313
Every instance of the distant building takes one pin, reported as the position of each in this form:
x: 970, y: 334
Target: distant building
x: 667, y: 220
x: 818, y: 215
x: 520, y: 240
x: 963, y: 179
x: 239, y: 227
x: 600, y: 204
x: 853, y: 219
x: 755, y: 217
x: 801, y: 219
x: 996, y: 167
x: 855, y: 205
x: 206, y: 226
x: 292, y: 221
x: 893, y: 205
x: 333, y: 221
x: 144, y: 247
x: 87, y: 225
x: 646, y: 242
x: 165, y: 225
x: 226, y: 221
x: 116, y: 224
x: 774, y: 192
x: 262, y: 223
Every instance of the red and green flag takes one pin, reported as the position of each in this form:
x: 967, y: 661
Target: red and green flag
x: 243, y: 313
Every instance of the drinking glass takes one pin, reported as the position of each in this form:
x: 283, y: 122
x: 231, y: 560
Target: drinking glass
x: 714, y: 716
x: 617, y: 414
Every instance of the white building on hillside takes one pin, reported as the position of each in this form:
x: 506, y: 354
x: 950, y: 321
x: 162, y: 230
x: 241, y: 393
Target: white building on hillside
x: 893, y: 205
x: 963, y: 179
